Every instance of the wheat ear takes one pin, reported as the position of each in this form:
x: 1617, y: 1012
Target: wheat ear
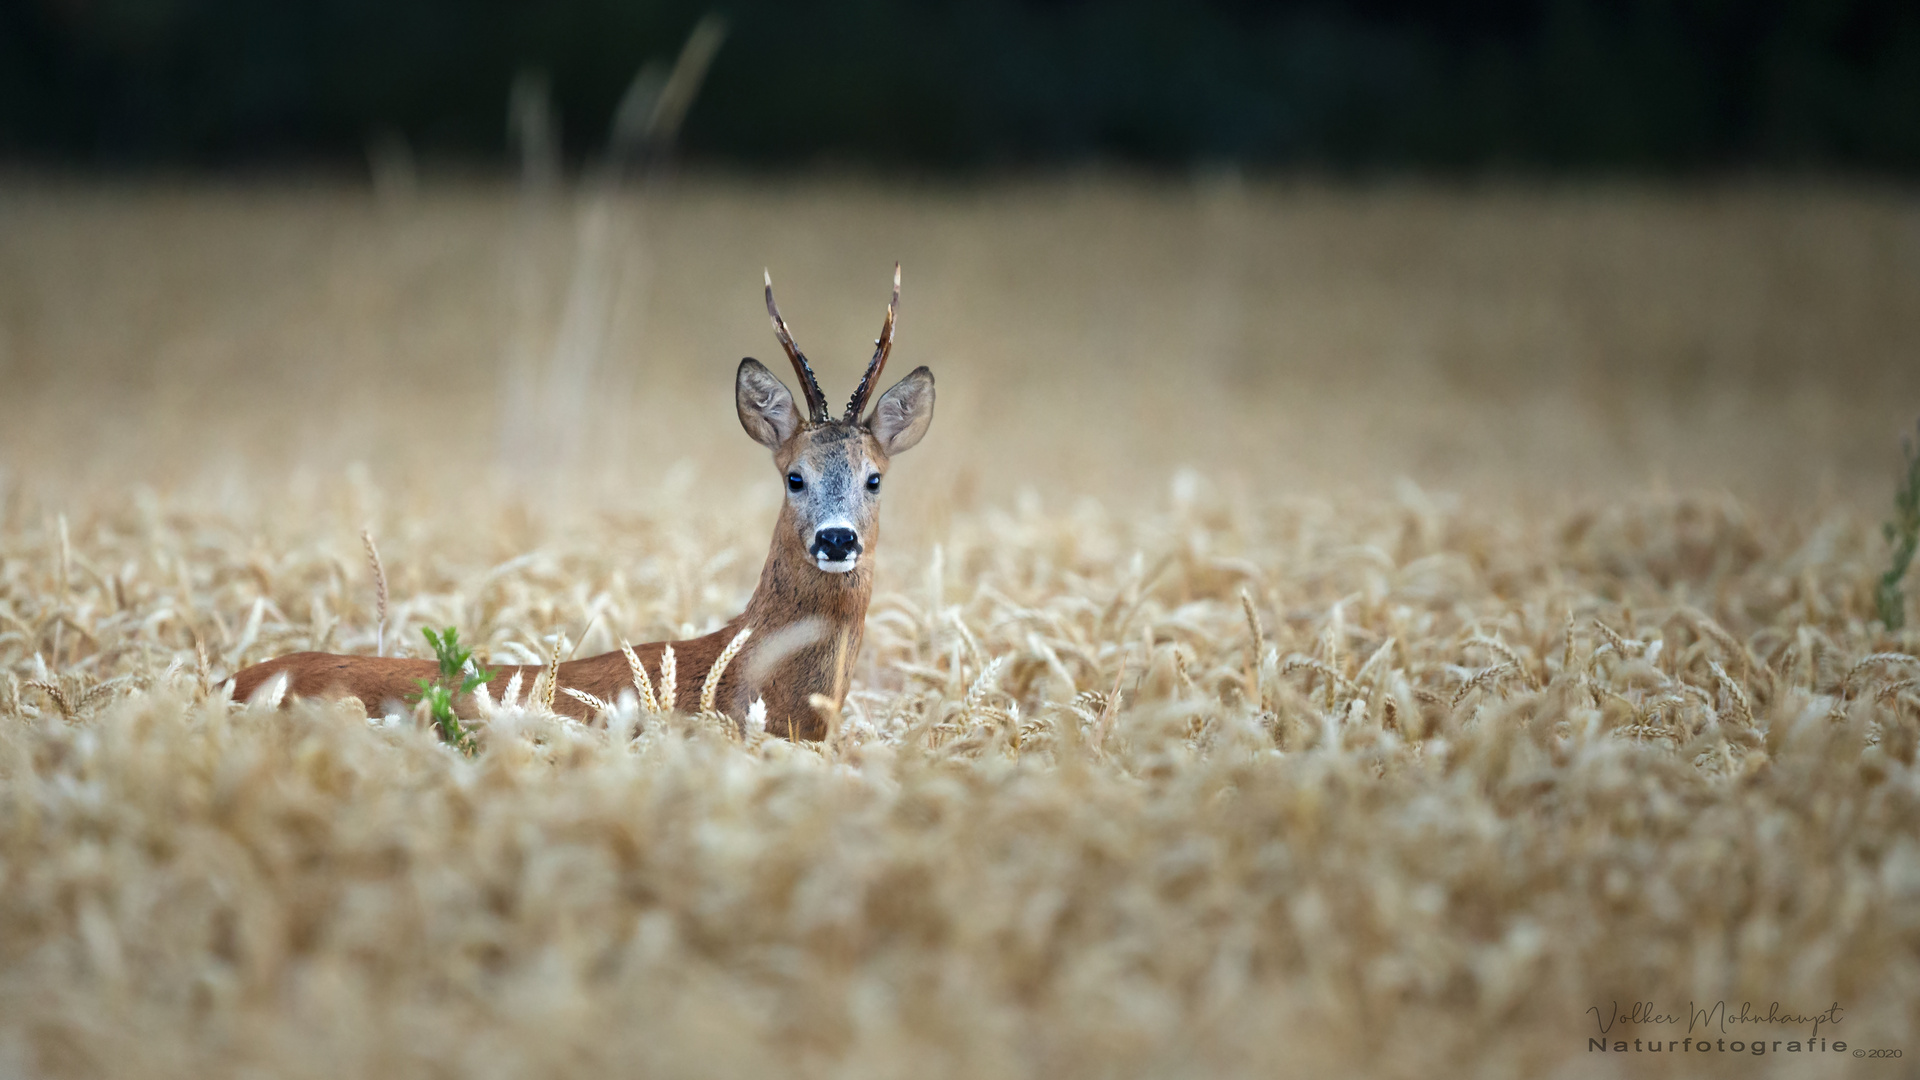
x: 1485, y: 678
x: 669, y: 680
x: 587, y: 699
x: 379, y: 593
x: 1505, y: 652
x: 1253, y: 627
x: 1333, y: 678
x: 710, y: 689
x: 202, y: 670
x: 1877, y: 658
x: 553, y: 675
x: 641, y: 683
x: 52, y: 689
x: 1336, y: 629
x: 977, y: 693
x: 1734, y: 691
x: 1620, y: 644
x: 1888, y: 693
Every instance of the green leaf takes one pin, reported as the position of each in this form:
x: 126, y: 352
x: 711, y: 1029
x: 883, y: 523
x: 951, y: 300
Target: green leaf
x: 438, y: 693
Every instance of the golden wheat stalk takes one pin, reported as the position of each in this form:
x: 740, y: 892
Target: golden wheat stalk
x: 1894, y: 690
x: 598, y: 706
x: 1733, y: 690
x: 1253, y: 626
x: 1488, y: 677
x: 552, y: 675
x: 642, y: 685
x: 1087, y: 704
x: 379, y: 593
x: 710, y: 689
x: 669, y: 680
x: 1180, y: 669
x: 1505, y: 652
x: 203, y: 669
x: 59, y: 696
x: 974, y: 651
x: 1620, y: 645
x: 107, y: 689
x: 1877, y: 658
x: 1333, y: 678
x: 983, y: 685
x: 1336, y: 630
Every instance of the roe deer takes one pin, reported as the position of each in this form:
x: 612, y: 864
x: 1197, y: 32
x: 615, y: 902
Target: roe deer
x: 809, y: 610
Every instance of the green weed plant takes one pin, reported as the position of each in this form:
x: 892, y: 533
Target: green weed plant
x: 458, y: 676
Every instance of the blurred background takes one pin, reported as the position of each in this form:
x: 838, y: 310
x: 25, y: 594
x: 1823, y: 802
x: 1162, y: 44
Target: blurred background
x: 1550, y: 247
x: 1659, y: 86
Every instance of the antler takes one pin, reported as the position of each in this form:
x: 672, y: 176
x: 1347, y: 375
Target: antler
x: 816, y: 401
x: 881, y: 349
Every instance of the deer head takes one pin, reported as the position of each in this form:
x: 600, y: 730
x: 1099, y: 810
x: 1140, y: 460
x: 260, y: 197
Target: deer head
x: 832, y: 468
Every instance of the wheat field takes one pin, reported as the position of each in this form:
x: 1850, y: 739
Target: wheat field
x: 1327, y: 631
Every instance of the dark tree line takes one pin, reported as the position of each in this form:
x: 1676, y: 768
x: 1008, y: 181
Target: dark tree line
x: 1371, y: 84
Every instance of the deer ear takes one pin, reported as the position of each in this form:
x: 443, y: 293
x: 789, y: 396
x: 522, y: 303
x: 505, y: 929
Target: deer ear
x: 904, y: 412
x: 765, y: 405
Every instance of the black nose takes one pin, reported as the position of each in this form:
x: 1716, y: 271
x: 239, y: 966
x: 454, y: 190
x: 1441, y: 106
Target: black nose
x: 835, y: 545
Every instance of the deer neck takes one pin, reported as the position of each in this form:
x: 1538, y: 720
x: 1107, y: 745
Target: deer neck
x: 807, y: 624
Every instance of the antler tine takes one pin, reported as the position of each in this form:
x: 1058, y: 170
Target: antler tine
x: 882, y: 348
x: 816, y: 401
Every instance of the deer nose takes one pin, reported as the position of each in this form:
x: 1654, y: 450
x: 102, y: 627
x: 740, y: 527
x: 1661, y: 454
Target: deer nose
x: 835, y: 545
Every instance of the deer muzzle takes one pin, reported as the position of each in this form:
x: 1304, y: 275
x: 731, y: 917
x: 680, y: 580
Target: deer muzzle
x: 835, y: 550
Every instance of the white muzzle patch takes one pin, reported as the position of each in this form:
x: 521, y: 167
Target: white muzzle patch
x: 836, y: 546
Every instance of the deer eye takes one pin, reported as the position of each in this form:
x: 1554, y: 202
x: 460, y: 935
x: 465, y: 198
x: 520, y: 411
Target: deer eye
x: 873, y: 481
x: 795, y: 483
